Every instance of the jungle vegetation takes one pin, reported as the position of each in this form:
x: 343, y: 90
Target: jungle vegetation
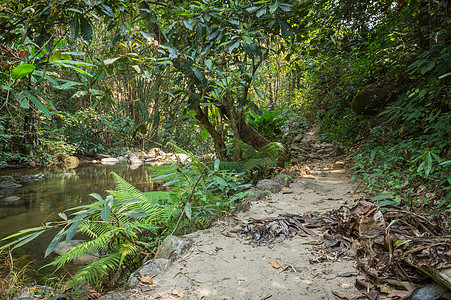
x: 227, y: 78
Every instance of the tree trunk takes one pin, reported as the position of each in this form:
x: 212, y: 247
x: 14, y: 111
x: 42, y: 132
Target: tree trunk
x: 218, y: 141
x: 31, y: 129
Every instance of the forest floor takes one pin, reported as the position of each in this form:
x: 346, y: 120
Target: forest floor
x: 224, y: 264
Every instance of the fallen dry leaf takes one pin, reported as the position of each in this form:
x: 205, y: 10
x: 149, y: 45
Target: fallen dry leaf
x: 367, y: 289
x: 341, y: 296
x: 146, y: 280
x: 313, y: 243
x: 274, y: 264
x: 400, y: 294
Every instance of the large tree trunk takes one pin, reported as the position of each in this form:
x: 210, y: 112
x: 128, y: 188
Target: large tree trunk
x: 249, y: 135
x: 218, y: 141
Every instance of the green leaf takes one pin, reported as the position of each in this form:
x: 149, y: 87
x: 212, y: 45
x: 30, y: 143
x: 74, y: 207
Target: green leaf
x: 217, y: 163
x: 105, y: 214
x: 28, y: 239
x: 188, y: 25
x: 38, y: 103
x: 22, y: 70
x: 109, y: 201
x: 260, y: 94
x: 63, y: 216
x: 68, y: 85
x: 109, y: 61
x: 54, y: 242
x: 429, y: 66
x: 75, y: 26
x: 205, y: 134
x: 220, y: 180
x: 252, y: 9
x: 97, y: 197
x: 188, y: 210
x: 261, y: 12
x: 381, y: 197
x: 234, y: 46
x: 388, y: 202
x: 172, y: 182
x: 22, y: 232
x: 208, y: 64
x: 273, y: 7
x: 79, y: 94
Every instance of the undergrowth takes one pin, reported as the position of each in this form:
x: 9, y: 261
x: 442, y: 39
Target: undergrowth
x: 126, y: 226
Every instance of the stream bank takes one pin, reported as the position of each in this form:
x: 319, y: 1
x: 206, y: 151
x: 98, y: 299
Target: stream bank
x: 224, y: 264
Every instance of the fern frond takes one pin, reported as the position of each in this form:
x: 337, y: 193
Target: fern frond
x: 124, y: 189
x: 96, y: 270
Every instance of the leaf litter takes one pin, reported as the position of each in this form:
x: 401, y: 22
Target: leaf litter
x: 397, y: 248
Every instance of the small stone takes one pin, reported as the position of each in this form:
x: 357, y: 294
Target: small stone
x: 12, y: 199
x: 431, y: 291
x: 109, y: 161
x: 286, y: 190
x: 283, y: 179
x: 38, y: 176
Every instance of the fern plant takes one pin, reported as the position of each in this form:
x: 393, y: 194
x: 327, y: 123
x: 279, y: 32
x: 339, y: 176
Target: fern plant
x: 126, y: 225
x: 121, y: 228
x: 204, y: 190
x: 255, y: 163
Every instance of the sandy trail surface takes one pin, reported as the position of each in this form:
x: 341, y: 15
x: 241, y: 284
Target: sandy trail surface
x: 223, y: 264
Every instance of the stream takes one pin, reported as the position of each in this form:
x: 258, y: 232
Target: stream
x: 38, y: 201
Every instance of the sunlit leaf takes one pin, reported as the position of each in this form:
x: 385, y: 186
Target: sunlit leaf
x: 22, y: 70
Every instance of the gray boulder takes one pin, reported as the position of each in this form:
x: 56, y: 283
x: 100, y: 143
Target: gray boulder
x: 283, y: 179
x: 135, y: 160
x: 174, y: 247
x: 63, y: 247
x: 371, y: 99
x: 257, y: 194
x: 269, y: 185
x: 431, y: 291
x: 8, y: 182
x: 317, y: 187
x: 149, y: 269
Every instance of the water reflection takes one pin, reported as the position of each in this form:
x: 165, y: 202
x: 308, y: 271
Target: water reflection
x: 42, y: 200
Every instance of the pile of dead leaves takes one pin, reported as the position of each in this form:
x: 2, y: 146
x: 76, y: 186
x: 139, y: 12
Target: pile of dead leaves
x: 395, y: 247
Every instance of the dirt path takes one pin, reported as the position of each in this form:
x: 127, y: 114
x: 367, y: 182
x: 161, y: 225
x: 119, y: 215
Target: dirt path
x: 224, y: 265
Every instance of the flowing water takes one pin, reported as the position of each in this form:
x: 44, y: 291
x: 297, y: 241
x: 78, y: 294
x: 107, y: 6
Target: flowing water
x: 41, y: 200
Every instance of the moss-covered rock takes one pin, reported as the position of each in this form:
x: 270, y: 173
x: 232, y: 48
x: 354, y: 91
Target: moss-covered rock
x: 371, y: 99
